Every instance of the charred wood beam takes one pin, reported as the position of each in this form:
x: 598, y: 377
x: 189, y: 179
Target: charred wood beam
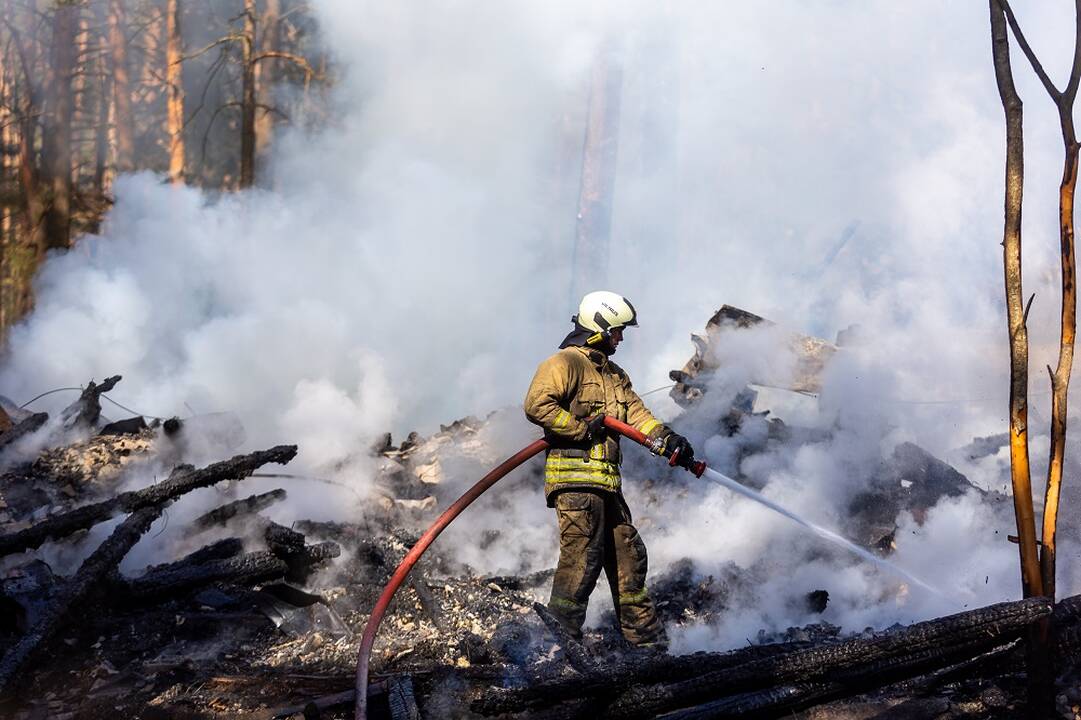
x: 577, y: 656
x: 220, y: 550
x: 85, y: 411
x: 323, y: 703
x: 27, y: 426
x: 926, y: 643
x: 401, y: 699
x: 418, y: 580
x: 182, y: 480
x: 246, y: 506
x: 288, y: 544
x: 1066, y: 630
x: 783, y: 700
x: 611, y: 680
x: 521, y: 582
x: 248, y: 569
x: 89, y: 576
x: 282, y: 541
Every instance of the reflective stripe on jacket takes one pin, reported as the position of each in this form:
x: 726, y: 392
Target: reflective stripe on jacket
x: 569, y: 386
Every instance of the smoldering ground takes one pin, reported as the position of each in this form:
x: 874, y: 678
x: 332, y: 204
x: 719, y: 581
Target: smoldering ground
x: 411, y: 265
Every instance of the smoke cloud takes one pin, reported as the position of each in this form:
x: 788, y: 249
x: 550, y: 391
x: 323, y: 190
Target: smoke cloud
x: 823, y: 164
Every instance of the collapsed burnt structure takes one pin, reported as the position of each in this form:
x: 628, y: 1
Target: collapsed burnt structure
x: 259, y: 619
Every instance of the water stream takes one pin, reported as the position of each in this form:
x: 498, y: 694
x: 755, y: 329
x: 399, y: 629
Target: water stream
x: 822, y: 532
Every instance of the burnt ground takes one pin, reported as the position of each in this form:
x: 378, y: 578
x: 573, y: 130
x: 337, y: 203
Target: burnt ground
x: 277, y: 629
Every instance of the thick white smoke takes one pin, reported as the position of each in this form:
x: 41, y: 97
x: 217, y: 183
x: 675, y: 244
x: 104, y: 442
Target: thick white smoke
x: 822, y: 163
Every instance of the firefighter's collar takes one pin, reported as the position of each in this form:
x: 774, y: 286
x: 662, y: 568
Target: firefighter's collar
x: 598, y: 358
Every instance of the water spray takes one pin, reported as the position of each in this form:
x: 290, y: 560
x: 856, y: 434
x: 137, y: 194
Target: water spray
x: 738, y: 487
x: 696, y: 467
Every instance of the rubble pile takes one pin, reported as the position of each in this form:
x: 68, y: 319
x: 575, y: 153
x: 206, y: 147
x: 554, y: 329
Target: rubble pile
x: 257, y: 619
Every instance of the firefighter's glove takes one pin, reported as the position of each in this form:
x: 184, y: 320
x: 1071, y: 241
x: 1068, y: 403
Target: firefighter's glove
x: 595, y: 430
x: 676, y: 443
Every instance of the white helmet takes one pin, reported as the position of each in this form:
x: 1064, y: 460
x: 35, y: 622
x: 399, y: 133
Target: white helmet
x: 604, y: 311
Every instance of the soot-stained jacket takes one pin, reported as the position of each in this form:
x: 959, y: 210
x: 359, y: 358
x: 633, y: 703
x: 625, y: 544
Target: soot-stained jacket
x: 574, y: 384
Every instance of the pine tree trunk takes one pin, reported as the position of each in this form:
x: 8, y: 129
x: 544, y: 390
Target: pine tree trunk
x: 174, y: 50
x: 123, y: 117
x: 266, y: 76
x: 57, y: 142
x: 29, y: 250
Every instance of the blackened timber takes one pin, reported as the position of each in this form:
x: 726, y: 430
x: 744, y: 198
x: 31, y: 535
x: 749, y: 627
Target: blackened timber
x: 783, y: 700
x: 400, y: 698
x: 577, y: 656
x: 521, y: 582
x: 284, y: 542
x: 418, y: 580
x: 85, y: 411
x: 248, y: 569
x: 611, y: 680
x: 974, y: 631
x: 182, y: 480
x: 90, y: 574
x: 27, y: 426
x: 246, y: 506
x: 220, y: 550
x: 1066, y: 630
x: 288, y: 544
x: 346, y: 698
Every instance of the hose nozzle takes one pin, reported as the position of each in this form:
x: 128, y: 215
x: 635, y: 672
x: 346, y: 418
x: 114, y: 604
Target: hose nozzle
x: 655, y: 446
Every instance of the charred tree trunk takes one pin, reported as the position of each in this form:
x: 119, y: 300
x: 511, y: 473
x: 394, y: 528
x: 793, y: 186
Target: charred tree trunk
x: 174, y: 81
x: 247, y: 103
x: 89, y: 576
x: 183, y: 479
x: 124, y: 120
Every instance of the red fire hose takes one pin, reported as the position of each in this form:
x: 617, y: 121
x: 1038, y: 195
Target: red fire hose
x: 411, y: 558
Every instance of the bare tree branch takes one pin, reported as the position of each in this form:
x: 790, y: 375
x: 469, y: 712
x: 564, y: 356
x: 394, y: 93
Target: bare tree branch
x: 232, y: 37
x: 1075, y: 73
x: 295, y: 59
x: 1027, y: 49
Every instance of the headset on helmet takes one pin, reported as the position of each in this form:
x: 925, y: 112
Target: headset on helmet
x: 602, y: 312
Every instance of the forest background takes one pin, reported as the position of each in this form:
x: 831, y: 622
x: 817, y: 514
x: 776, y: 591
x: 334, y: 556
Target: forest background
x: 192, y: 89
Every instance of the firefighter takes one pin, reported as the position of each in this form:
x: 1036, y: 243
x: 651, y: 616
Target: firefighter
x: 570, y: 394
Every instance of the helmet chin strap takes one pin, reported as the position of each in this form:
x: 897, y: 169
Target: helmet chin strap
x: 601, y: 342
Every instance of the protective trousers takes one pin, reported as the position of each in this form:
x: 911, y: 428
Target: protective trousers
x: 595, y: 533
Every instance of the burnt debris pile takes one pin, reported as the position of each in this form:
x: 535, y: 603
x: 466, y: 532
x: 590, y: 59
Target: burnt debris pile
x: 245, y: 614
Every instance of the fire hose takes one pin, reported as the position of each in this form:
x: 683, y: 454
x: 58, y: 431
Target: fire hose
x: 448, y: 516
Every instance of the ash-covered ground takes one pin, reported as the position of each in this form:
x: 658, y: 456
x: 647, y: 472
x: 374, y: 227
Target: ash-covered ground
x: 228, y: 608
